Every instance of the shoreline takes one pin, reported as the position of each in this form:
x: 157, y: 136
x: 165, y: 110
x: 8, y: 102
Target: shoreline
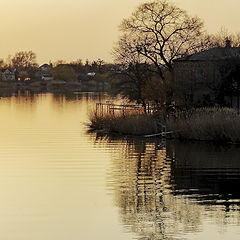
x: 43, y: 86
x: 220, y: 125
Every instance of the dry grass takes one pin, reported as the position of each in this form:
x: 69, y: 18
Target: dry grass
x: 214, y: 124
x: 208, y: 124
x: 128, y: 124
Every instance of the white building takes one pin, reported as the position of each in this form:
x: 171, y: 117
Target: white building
x: 91, y: 74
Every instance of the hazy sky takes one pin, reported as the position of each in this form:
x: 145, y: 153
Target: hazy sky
x: 87, y: 29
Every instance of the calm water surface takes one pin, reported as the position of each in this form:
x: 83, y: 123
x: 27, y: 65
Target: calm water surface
x: 58, y: 182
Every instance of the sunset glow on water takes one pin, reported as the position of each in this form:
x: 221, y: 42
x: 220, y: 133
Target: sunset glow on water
x: 59, y: 182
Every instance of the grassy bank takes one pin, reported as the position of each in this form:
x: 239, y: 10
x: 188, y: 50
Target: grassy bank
x: 205, y: 124
x: 208, y: 124
x: 127, y: 124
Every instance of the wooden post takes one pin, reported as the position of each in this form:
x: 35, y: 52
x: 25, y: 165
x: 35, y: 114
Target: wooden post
x: 96, y: 108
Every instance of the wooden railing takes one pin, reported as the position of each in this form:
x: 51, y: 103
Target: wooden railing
x: 112, y: 108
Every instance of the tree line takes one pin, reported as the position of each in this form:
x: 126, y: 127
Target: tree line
x: 26, y: 62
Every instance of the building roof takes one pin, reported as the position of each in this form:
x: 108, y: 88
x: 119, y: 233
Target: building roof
x: 7, y: 71
x: 44, y: 65
x: 213, y: 54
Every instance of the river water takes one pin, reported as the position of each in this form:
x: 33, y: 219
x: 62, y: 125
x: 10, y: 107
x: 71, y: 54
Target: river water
x: 58, y: 181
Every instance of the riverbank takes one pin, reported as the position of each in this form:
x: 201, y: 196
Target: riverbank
x: 128, y: 124
x: 203, y: 124
x: 207, y: 124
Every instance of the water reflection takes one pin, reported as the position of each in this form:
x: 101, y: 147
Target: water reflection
x: 173, y: 190
x: 69, y: 96
x: 59, y: 182
x: 74, y: 96
x: 52, y: 178
x: 208, y: 173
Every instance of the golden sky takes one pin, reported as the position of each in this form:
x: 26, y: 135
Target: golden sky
x: 87, y: 29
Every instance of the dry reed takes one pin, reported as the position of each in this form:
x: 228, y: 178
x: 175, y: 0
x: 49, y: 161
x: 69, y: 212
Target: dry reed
x: 214, y: 124
x: 128, y: 124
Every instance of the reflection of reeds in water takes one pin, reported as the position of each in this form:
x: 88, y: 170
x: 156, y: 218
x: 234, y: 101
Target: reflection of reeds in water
x: 141, y: 181
x: 149, y: 186
x: 213, y: 171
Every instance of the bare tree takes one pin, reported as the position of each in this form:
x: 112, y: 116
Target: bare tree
x: 59, y: 62
x: 23, y: 60
x: 134, y: 71
x: 161, y: 32
x: 97, y: 66
x: 219, y: 39
x: 2, y: 64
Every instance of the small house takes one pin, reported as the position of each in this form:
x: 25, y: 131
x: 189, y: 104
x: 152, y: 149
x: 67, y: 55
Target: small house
x: 23, y: 76
x: 47, y: 77
x: 209, y: 77
x: 44, y: 72
x: 45, y: 68
x: 8, y: 75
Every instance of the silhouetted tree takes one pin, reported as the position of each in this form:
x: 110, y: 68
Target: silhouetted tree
x: 64, y: 72
x: 219, y: 39
x: 2, y: 64
x: 59, y: 62
x: 133, y: 73
x: 23, y: 60
x: 161, y: 32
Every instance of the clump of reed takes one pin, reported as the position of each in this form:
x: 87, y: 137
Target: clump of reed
x: 127, y: 124
x: 214, y: 124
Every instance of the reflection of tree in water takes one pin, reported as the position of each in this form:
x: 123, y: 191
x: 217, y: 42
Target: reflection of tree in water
x: 17, y: 94
x: 87, y: 99
x: 73, y: 96
x: 141, y: 181
x: 159, y: 193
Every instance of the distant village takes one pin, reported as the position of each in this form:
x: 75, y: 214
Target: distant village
x: 24, y: 73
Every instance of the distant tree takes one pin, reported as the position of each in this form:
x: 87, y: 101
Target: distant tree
x: 23, y: 60
x: 99, y: 65
x: 94, y: 66
x: 59, y: 62
x: 77, y: 62
x: 161, y: 32
x: 219, y: 39
x: 77, y: 65
x: 2, y: 64
x: 64, y: 72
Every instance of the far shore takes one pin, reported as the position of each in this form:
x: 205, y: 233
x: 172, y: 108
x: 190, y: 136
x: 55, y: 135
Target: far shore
x: 51, y: 86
